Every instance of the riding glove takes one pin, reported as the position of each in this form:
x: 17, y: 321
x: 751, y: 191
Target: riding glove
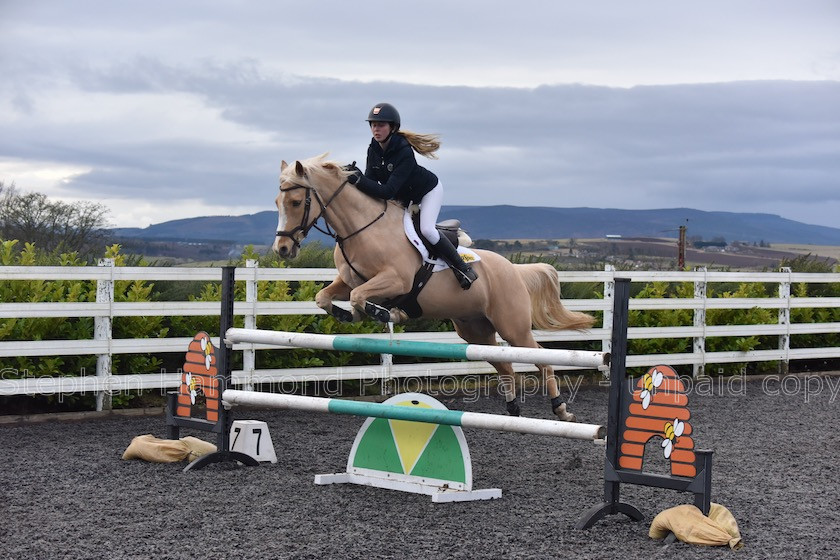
x: 356, y: 175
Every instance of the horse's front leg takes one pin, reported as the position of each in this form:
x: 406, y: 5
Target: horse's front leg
x: 336, y: 291
x: 385, y: 285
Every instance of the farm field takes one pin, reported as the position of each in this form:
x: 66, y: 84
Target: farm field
x: 661, y: 253
x: 828, y: 251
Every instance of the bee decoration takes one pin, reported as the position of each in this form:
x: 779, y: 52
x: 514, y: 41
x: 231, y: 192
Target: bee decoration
x: 192, y: 383
x: 207, y: 347
x: 672, y: 432
x: 651, y: 381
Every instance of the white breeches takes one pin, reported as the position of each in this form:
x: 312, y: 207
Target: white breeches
x: 429, y: 210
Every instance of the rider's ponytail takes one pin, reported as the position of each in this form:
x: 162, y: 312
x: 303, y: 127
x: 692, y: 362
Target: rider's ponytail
x: 424, y: 144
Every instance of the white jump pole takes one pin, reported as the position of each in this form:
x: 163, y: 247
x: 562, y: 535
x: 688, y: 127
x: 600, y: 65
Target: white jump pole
x: 474, y: 352
x: 476, y: 420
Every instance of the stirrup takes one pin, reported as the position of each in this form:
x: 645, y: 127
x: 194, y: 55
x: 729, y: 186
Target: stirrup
x: 465, y: 277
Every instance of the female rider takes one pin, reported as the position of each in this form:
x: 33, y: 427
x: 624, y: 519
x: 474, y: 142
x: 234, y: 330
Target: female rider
x: 392, y: 172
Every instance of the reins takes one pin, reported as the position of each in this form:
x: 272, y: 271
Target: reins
x: 305, y: 225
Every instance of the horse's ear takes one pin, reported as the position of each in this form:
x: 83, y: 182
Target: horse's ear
x: 283, y: 166
x: 301, y: 172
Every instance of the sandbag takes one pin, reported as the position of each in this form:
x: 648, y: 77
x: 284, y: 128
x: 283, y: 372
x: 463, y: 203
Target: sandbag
x: 156, y: 450
x: 198, y: 447
x: 689, y: 525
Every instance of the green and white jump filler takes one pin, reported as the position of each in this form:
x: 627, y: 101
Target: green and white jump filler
x: 418, y: 457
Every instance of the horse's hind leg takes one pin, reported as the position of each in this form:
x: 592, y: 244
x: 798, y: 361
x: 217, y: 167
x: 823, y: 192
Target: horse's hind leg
x: 481, y: 331
x: 558, y: 406
x: 525, y: 338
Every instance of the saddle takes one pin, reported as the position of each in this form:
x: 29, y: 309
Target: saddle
x: 447, y: 228
x: 408, y: 302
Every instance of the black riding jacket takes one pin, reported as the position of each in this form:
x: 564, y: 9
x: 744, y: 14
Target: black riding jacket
x: 394, y: 173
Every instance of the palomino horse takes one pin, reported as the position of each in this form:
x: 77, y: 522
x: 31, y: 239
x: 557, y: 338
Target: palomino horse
x: 376, y: 262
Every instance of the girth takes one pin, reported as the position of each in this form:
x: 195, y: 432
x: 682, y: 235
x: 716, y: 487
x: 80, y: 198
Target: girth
x: 408, y: 301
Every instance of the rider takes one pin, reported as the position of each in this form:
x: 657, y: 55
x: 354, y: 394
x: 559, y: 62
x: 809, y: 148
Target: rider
x: 392, y: 173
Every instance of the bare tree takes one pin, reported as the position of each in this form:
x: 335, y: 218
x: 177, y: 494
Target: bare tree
x: 52, y: 225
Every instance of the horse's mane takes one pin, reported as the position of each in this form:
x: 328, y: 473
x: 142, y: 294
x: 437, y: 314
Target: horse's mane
x: 318, y: 168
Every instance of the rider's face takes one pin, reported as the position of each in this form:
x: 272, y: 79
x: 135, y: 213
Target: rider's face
x: 380, y: 130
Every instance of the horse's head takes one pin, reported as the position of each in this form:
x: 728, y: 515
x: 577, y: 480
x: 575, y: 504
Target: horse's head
x: 304, y: 188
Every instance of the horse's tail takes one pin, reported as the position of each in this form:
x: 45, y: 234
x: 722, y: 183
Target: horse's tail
x: 547, y: 309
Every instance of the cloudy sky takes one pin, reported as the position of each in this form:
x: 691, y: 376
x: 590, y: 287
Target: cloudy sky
x: 171, y: 109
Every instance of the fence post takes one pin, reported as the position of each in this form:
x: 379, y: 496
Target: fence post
x: 249, y: 355
x: 699, y: 364
x: 784, y: 319
x: 609, y: 298
x: 103, y: 330
x: 386, y: 361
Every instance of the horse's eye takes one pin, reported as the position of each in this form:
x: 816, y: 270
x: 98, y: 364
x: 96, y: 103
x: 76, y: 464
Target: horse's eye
x: 295, y: 203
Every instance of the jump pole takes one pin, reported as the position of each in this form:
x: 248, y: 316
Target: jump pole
x: 463, y: 419
x: 473, y: 352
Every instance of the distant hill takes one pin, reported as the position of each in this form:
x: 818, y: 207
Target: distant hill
x: 521, y: 222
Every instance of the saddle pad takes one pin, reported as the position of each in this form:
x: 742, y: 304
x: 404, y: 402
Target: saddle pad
x: 468, y: 255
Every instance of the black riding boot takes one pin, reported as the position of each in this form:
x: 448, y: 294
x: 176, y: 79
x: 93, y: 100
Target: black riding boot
x: 463, y: 272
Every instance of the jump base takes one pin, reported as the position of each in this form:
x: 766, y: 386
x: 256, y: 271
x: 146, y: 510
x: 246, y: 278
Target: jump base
x: 438, y: 494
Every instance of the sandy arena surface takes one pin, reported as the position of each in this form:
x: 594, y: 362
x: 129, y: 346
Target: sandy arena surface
x: 67, y: 494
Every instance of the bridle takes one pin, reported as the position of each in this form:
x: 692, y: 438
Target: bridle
x: 305, y: 225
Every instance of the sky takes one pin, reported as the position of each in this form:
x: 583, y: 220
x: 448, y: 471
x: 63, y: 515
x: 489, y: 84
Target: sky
x: 162, y: 110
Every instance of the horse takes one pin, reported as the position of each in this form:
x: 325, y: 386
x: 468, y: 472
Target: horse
x: 376, y: 263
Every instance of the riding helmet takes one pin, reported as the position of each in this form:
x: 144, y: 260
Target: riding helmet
x: 385, y: 112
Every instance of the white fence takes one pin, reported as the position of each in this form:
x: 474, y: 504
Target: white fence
x: 105, y: 309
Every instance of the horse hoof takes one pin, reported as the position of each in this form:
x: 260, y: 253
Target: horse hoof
x: 564, y: 415
x: 398, y: 315
x: 513, y: 408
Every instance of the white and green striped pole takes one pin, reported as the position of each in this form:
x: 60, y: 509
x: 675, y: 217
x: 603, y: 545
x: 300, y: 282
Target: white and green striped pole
x: 476, y: 420
x: 475, y: 352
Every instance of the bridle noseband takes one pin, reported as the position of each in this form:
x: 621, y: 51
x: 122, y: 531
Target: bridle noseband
x: 304, y: 226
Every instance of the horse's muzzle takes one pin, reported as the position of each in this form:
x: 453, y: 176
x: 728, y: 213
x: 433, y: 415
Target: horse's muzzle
x: 284, y: 247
